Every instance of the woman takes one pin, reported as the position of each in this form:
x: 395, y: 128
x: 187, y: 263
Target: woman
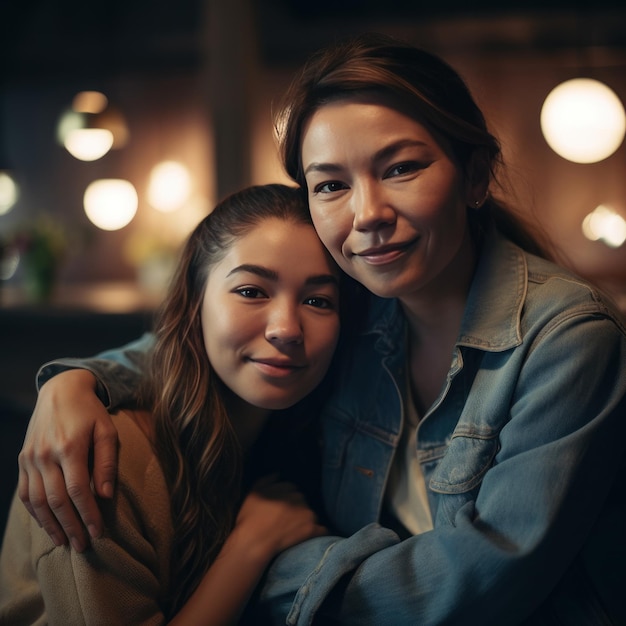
x: 243, y: 333
x: 479, y: 411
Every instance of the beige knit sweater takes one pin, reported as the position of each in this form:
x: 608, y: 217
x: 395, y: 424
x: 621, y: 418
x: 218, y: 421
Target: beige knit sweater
x: 121, y: 579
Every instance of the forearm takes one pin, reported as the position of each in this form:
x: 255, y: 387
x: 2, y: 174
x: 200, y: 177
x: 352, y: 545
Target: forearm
x: 500, y: 547
x: 117, y: 372
x: 225, y: 589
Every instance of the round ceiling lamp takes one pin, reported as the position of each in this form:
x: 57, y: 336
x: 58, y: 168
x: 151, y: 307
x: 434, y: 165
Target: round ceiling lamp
x: 91, y: 127
x: 110, y: 203
x: 583, y: 120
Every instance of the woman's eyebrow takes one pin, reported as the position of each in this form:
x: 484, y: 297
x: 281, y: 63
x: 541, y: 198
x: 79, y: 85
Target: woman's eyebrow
x: 384, y: 153
x: 325, y: 168
x: 259, y: 270
x: 323, y: 279
x: 264, y: 272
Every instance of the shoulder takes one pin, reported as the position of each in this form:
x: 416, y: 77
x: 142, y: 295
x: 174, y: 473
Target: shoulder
x: 139, y: 469
x: 556, y: 290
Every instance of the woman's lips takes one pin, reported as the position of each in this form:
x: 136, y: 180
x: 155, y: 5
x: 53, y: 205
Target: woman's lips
x: 276, y: 369
x: 383, y: 255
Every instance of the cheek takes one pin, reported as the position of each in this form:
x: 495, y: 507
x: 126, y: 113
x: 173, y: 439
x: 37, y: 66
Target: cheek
x: 216, y: 329
x: 330, y: 229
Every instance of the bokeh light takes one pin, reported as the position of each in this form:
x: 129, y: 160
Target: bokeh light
x: 9, y: 192
x: 583, y: 120
x: 91, y: 127
x: 169, y: 187
x: 606, y: 225
x: 111, y: 203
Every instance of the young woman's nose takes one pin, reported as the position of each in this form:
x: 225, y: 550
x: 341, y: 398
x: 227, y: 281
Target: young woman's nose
x: 284, y: 325
x: 371, y: 207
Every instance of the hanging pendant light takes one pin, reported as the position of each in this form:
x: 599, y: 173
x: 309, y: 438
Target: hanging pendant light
x: 91, y: 127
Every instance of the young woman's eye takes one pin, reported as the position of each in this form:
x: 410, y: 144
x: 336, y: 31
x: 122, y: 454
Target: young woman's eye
x: 320, y: 302
x: 329, y: 187
x: 250, y: 292
x: 402, y: 169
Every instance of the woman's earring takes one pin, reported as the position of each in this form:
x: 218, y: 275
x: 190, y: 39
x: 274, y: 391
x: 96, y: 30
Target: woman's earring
x: 479, y: 203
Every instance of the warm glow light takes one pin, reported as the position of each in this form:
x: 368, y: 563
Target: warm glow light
x: 90, y: 128
x: 88, y: 144
x: 583, y: 120
x: 89, y: 102
x: 110, y: 203
x: 169, y: 186
x: 9, y: 192
x: 605, y: 225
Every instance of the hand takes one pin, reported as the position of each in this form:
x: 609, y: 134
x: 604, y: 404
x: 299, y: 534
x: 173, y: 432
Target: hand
x: 275, y: 516
x: 54, y: 482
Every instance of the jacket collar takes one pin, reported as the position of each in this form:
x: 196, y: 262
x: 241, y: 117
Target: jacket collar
x: 494, y: 305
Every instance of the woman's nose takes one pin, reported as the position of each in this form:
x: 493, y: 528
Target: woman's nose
x: 284, y: 325
x: 371, y: 207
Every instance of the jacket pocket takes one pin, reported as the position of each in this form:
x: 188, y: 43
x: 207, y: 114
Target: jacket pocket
x: 464, y: 464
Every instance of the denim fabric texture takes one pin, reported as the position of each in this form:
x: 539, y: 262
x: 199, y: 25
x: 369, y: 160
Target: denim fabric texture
x: 522, y: 452
x: 523, y: 456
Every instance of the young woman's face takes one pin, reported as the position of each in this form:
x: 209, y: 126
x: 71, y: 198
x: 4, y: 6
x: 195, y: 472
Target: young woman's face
x: 386, y: 196
x: 270, y: 314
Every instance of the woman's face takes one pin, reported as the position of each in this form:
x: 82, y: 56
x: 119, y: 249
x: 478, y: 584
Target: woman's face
x: 387, y: 197
x: 270, y: 314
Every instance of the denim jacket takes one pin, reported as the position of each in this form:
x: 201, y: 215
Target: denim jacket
x: 522, y: 453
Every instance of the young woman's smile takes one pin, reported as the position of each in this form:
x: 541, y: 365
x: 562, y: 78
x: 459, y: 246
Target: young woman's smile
x: 270, y: 327
x: 390, y: 207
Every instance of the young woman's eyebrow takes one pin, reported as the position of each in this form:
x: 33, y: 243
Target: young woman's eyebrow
x: 268, y: 274
x: 322, y: 279
x: 259, y: 270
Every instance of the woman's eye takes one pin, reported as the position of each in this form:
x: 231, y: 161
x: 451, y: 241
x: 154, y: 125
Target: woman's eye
x: 329, y: 187
x: 401, y: 169
x: 319, y: 302
x: 250, y: 292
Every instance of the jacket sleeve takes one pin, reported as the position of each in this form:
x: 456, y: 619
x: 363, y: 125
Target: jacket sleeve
x: 118, y: 371
x: 503, y: 551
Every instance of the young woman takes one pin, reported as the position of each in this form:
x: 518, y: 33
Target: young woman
x: 245, y: 332
x: 479, y: 411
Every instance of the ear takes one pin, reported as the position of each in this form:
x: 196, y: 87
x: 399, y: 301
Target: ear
x: 477, y: 175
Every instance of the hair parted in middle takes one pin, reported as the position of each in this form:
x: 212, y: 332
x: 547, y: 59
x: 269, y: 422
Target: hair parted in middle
x: 195, y: 441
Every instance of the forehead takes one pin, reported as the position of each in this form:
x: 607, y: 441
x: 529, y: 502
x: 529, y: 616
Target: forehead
x: 279, y: 244
x: 367, y: 115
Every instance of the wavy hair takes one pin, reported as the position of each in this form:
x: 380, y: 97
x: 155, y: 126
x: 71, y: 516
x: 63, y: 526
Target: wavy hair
x: 194, y: 439
x: 423, y: 85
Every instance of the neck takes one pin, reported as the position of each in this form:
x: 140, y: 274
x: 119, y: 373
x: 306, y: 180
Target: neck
x: 247, y: 420
x: 435, y: 312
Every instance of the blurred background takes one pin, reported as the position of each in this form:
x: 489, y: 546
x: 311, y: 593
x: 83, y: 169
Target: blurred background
x: 123, y: 121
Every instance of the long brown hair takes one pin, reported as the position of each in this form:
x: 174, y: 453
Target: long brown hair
x: 195, y: 441
x: 426, y: 86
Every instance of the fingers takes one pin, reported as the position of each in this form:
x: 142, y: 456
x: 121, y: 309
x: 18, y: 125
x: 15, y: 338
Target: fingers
x: 54, y: 475
x: 47, y: 489
x: 105, y: 444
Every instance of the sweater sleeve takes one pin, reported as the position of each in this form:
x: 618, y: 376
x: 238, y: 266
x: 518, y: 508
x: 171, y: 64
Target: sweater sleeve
x: 121, y: 579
